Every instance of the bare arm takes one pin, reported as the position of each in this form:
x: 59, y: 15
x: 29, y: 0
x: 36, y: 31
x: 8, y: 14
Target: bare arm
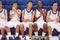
x: 39, y: 16
x: 58, y: 19
x: 11, y: 14
x: 44, y: 14
x: 6, y: 17
x: 33, y: 16
x: 23, y: 16
x: 19, y: 13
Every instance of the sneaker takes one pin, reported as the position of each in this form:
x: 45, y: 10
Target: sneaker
x: 23, y: 38
x: 17, y: 38
x: 29, y: 39
x: 36, y: 38
x: 10, y: 38
x: 3, y: 38
x: 43, y: 38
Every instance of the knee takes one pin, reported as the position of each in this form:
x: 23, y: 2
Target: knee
x: 6, y: 27
x: 17, y: 25
x: 30, y: 26
x: 45, y: 25
x: 2, y: 29
x: 35, y: 26
x: 49, y: 28
x: 21, y: 26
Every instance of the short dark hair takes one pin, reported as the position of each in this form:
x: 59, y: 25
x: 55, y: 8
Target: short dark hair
x: 53, y: 3
x: 29, y: 1
x: 14, y: 2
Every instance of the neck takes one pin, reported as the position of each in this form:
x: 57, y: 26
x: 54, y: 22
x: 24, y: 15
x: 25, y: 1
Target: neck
x: 28, y: 9
x: 54, y: 11
x: 0, y: 9
x: 39, y: 8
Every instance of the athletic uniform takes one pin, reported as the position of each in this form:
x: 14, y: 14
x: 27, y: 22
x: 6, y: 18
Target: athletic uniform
x: 39, y: 21
x: 2, y: 21
x: 15, y: 20
x: 27, y: 15
x: 54, y: 24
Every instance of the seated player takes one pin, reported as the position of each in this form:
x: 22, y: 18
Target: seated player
x: 53, y: 19
x: 14, y: 21
x: 3, y: 20
x: 39, y: 20
x: 27, y: 20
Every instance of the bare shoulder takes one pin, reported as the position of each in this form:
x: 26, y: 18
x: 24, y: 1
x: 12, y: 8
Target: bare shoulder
x: 49, y: 11
x: 5, y: 10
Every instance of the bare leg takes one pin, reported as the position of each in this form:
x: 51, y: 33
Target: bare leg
x: 44, y: 29
x: 17, y: 30
x: 22, y: 30
x: 8, y: 31
x: 35, y: 28
x: 30, y: 30
x: 50, y: 32
x: 2, y: 31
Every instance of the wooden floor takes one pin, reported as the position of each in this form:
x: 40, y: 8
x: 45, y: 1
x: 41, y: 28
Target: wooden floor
x: 53, y: 38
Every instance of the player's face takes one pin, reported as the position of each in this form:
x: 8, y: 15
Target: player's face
x: 15, y: 5
x: 0, y: 5
x: 29, y: 5
x: 55, y: 6
x: 39, y: 4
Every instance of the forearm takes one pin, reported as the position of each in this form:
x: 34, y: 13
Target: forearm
x: 37, y: 18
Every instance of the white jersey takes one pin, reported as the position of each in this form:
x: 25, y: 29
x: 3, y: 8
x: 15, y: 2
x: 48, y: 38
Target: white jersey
x: 40, y: 22
x: 53, y: 16
x: 2, y: 21
x: 15, y: 17
x: 54, y: 24
x: 28, y: 15
x: 38, y: 14
x: 2, y: 14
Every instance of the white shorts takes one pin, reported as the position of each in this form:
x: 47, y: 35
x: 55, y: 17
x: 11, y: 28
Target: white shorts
x: 11, y: 24
x: 2, y: 23
x: 26, y: 24
x: 40, y: 24
x: 58, y: 27
x: 54, y: 25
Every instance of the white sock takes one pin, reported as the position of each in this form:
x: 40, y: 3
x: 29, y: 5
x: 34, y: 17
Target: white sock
x: 16, y: 34
x: 50, y: 37
x: 36, y: 33
x: 43, y: 34
x: 9, y: 34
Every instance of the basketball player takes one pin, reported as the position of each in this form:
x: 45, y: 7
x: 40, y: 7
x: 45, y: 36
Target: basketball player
x: 27, y: 20
x: 3, y: 20
x: 39, y: 20
x: 15, y: 14
x: 53, y: 19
